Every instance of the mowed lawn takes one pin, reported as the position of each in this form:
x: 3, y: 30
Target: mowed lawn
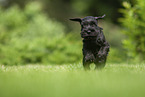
x: 115, y: 80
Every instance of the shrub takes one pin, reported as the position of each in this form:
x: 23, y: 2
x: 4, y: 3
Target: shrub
x: 28, y: 36
x: 134, y: 24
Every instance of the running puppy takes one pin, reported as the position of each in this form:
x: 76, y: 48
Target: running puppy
x: 95, y: 47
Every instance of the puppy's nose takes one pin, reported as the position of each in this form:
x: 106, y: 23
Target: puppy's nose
x: 89, y: 31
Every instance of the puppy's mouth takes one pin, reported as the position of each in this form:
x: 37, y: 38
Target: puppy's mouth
x: 90, y: 38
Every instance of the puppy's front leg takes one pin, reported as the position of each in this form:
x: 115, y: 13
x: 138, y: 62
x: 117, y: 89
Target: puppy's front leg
x: 86, y: 65
x: 103, y: 52
x: 87, y: 61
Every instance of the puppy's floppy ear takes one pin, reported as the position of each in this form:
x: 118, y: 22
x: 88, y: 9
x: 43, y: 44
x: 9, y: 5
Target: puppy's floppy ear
x: 76, y: 19
x: 100, y: 17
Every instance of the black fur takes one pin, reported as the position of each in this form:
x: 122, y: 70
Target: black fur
x: 95, y: 46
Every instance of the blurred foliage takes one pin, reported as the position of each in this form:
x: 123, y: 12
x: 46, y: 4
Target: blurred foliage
x: 64, y: 9
x: 134, y: 24
x: 28, y: 36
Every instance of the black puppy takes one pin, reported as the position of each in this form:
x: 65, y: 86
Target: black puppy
x: 95, y: 46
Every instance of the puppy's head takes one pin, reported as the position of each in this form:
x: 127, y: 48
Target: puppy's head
x: 89, y: 26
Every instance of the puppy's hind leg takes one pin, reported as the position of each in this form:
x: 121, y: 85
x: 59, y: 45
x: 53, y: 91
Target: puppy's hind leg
x: 99, y: 66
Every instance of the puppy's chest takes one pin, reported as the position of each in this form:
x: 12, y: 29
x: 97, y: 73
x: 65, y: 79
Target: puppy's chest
x: 91, y: 46
x: 90, y: 50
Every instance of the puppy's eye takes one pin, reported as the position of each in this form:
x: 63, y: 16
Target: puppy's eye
x: 92, y: 23
x: 85, y: 24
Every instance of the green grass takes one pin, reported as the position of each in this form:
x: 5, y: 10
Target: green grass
x: 117, y: 80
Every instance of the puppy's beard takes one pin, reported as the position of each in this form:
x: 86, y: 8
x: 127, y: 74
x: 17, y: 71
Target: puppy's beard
x: 89, y: 38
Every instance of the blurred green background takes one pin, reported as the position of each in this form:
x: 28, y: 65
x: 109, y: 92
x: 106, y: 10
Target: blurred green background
x: 39, y: 31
